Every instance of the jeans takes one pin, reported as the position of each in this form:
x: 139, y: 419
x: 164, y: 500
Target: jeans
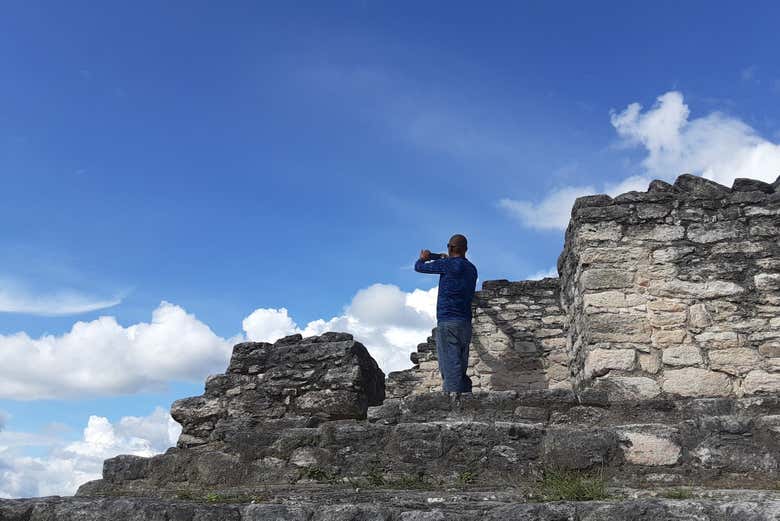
x: 452, y: 348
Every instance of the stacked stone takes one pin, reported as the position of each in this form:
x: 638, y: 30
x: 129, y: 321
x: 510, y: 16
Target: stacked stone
x: 295, y: 382
x: 232, y: 432
x: 518, y: 343
x: 675, y: 290
x: 420, y: 378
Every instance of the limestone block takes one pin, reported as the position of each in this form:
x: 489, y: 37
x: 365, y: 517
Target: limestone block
x: 767, y: 228
x: 735, y: 361
x: 769, y: 264
x: 650, y: 449
x: 749, y: 325
x: 599, y: 362
x: 693, y: 381
x: 719, y: 339
x: 553, y: 343
x: 605, y: 299
x: 557, y: 372
x: 558, y: 356
x: 759, y: 381
x: 713, y: 232
x: 744, y: 247
x: 767, y: 281
x: 662, y: 337
x: 682, y: 355
x: 661, y: 233
x: 770, y: 349
x: 698, y: 317
x: 682, y: 288
x: 634, y: 387
x: 617, y: 255
x: 763, y: 335
x: 670, y: 319
x: 665, y: 304
x: 611, y: 327
x: 773, y: 364
x: 600, y: 231
x: 649, y: 362
x: 652, y: 210
x: 605, y: 278
x: 429, y: 366
x: 672, y: 253
x: 751, y: 211
x: 547, y: 332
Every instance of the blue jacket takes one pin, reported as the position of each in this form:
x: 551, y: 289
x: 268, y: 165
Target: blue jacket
x: 457, y: 282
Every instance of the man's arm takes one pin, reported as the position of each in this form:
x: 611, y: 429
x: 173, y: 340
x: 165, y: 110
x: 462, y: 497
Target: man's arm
x: 436, y: 264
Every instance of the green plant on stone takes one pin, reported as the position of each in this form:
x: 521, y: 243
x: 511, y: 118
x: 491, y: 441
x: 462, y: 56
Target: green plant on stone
x: 319, y: 474
x: 375, y: 477
x: 676, y: 493
x: 213, y: 497
x: 467, y: 477
x: 570, y: 485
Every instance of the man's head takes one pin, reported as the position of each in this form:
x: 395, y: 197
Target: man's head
x: 457, y: 246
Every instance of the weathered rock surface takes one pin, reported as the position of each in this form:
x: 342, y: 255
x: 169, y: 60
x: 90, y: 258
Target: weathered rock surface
x: 494, y: 438
x: 338, y: 505
x: 686, y: 276
x: 272, y: 397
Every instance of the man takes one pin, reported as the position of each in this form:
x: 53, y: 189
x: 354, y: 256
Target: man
x: 457, y: 281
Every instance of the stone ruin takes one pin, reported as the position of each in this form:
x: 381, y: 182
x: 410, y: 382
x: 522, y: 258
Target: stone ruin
x: 672, y: 291
x: 654, y: 360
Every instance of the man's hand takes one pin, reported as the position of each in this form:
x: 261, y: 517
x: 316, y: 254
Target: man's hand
x: 425, y: 255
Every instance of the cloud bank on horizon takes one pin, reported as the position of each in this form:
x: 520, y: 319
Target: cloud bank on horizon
x: 68, y: 465
x: 103, y: 358
x: 717, y: 146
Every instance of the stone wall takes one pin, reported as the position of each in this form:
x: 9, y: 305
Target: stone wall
x: 675, y: 290
x: 518, y: 342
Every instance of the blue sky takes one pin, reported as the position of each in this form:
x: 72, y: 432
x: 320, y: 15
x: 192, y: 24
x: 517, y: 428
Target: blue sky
x: 236, y: 161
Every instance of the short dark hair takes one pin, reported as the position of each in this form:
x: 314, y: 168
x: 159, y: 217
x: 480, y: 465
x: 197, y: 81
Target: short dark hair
x: 458, y: 243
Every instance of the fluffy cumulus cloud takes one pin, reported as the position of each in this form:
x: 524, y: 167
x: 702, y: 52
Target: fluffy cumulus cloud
x: 387, y: 320
x: 70, y: 464
x: 716, y: 146
x: 101, y: 357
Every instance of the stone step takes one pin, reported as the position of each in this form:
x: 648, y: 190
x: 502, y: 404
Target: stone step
x: 564, y: 407
x: 400, y: 505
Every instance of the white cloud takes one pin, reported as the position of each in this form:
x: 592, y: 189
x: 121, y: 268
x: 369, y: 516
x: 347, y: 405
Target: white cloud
x: 14, y: 298
x: 552, y: 213
x: 716, y: 146
x: 549, y: 272
x: 68, y: 465
x: 268, y: 324
x: 387, y: 320
x: 102, y: 357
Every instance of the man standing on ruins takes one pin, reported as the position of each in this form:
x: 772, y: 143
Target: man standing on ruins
x: 457, y: 282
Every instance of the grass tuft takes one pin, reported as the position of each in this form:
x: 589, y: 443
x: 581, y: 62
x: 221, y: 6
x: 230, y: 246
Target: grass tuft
x: 570, y: 485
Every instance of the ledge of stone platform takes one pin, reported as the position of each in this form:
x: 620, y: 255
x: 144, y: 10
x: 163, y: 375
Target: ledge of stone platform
x: 395, y: 506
